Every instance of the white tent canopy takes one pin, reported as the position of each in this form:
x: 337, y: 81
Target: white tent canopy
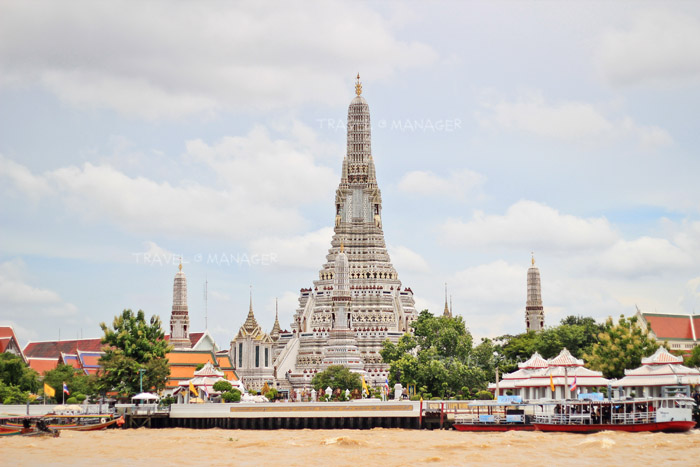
x: 145, y: 396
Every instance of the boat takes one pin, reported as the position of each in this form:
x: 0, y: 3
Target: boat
x: 659, y: 414
x: 495, y: 416
x: 40, y: 429
x: 73, y: 422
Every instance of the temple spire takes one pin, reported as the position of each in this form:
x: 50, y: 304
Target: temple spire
x: 447, y: 312
x: 250, y: 322
x: 358, y: 86
x: 275, y: 333
x: 534, y: 311
x: 179, y: 316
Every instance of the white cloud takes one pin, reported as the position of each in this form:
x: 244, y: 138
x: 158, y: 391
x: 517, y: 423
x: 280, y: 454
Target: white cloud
x: 565, y: 120
x: 642, y: 256
x: 166, y: 60
x: 527, y: 225
x: 264, y: 183
x: 405, y: 259
x: 22, y: 300
x: 460, y: 185
x: 300, y: 251
x: 659, y: 46
x: 281, y: 172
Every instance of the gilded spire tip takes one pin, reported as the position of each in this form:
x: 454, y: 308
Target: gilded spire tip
x: 358, y: 85
x: 533, y: 258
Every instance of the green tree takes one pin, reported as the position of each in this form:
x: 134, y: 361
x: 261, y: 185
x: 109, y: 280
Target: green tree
x: 337, y: 377
x: 437, y: 358
x: 222, y: 386
x: 134, y: 344
x: 76, y: 381
x: 234, y: 395
x: 10, y: 394
x: 14, y: 372
x: 694, y: 359
x: 620, y: 346
x: 576, y: 334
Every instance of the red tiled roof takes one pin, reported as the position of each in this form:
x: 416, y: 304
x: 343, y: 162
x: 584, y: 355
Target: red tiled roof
x: 71, y: 360
x: 194, y: 337
x: 671, y: 326
x: 7, y: 331
x: 42, y: 365
x: 7, y: 335
x: 52, y: 349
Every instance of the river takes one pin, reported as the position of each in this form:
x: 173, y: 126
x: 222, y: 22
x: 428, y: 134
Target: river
x: 383, y: 447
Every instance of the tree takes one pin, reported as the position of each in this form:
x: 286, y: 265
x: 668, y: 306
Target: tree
x: 222, y: 386
x: 76, y: 381
x: 621, y: 346
x: 10, y: 394
x: 14, y: 372
x: 437, y: 358
x: 234, y: 395
x: 575, y: 333
x: 134, y: 344
x: 694, y: 359
x: 337, y: 377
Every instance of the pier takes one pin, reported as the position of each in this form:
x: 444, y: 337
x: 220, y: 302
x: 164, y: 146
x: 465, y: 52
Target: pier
x: 356, y: 415
x: 272, y: 416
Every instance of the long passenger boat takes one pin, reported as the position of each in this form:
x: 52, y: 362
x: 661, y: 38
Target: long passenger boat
x: 666, y: 414
x: 72, y: 422
x: 495, y: 416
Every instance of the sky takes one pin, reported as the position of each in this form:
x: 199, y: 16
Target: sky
x: 133, y: 134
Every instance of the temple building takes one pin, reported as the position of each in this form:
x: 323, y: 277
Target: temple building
x: 534, y: 312
x: 179, y: 317
x: 661, y: 375
x: 252, y: 352
x: 680, y: 331
x: 357, y: 301
x: 536, y: 377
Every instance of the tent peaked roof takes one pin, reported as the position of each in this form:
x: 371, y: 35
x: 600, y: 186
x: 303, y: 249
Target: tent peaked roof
x: 536, y: 361
x: 565, y: 359
x: 209, y: 370
x: 660, y: 357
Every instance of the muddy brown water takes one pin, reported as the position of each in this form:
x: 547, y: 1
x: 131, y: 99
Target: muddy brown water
x: 381, y: 447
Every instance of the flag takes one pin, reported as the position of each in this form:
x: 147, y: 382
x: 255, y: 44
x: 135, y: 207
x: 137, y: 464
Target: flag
x: 551, y: 382
x: 573, y: 385
x: 365, y: 389
x: 65, y: 389
x: 193, y: 390
x: 49, y: 391
x: 386, y: 385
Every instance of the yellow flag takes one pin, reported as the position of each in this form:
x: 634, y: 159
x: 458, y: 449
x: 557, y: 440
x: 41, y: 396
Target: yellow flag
x: 49, y: 391
x: 193, y: 390
x: 365, y: 389
x: 551, y: 382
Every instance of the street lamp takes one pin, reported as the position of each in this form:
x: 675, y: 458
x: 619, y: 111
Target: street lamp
x: 141, y: 372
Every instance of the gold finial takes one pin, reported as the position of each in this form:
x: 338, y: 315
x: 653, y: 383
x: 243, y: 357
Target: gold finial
x: 533, y: 257
x: 180, y: 267
x: 358, y: 86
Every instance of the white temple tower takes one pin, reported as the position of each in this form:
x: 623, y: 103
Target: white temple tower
x: 534, y: 312
x: 377, y: 307
x: 179, y: 316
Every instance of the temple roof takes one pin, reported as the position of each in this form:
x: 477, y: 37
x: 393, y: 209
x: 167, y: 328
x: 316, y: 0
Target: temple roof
x: 667, y: 326
x: 565, y: 359
x: 660, y: 357
x: 536, y: 361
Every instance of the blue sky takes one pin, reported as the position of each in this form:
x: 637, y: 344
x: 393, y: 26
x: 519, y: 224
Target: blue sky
x: 135, y: 133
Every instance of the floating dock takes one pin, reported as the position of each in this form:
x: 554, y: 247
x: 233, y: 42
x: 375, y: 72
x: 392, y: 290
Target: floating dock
x: 272, y: 416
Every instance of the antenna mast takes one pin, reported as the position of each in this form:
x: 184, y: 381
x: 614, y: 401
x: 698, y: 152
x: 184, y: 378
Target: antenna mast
x: 206, y: 307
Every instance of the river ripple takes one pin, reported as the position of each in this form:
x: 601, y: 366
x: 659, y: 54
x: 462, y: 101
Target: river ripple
x: 385, y: 447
